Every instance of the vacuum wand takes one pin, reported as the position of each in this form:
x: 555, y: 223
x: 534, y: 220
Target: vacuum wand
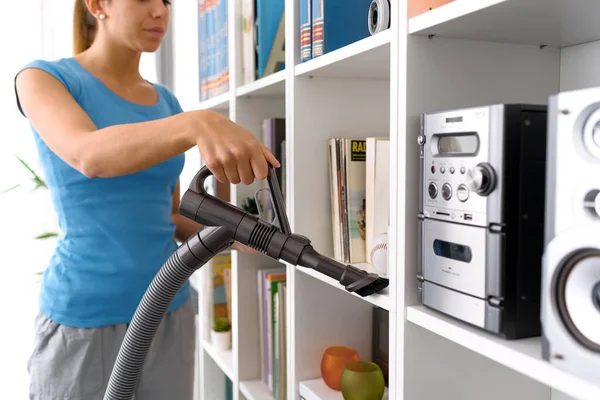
x: 222, y: 225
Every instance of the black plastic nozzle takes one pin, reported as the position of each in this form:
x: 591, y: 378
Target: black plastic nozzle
x: 352, y: 278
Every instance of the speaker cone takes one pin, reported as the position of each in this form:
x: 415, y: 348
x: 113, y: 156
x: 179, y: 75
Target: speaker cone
x: 577, y: 296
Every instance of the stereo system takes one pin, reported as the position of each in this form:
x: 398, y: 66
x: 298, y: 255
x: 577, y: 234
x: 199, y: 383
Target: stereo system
x: 509, y: 223
x: 482, y: 215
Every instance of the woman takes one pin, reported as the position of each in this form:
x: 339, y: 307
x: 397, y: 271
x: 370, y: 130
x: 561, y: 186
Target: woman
x: 111, y: 146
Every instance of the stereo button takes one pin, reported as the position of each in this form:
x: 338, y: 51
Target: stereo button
x: 462, y: 193
x: 446, y: 191
x: 433, y: 190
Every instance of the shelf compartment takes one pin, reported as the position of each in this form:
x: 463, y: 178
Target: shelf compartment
x: 224, y: 359
x: 219, y: 102
x: 366, y: 58
x: 380, y: 299
x: 255, y: 390
x: 271, y: 85
x: 316, y: 389
x: 523, y: 356
x: 556, y: 23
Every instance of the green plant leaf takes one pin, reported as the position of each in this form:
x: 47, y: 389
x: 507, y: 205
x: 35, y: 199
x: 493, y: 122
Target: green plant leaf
x: 11, y: 188
x: 221, y: 325
x: 47, y: 235
x: 39, y: 182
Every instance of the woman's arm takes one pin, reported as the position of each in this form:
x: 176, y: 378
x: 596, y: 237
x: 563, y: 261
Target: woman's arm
x: 231, y: 152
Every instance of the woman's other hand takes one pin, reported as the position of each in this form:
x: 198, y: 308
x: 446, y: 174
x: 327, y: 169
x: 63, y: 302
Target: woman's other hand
x: 231, y: 152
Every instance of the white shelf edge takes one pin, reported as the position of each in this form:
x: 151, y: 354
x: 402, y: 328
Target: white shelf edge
x: 448, y: 12
x: 316, y: 389
x: 255, y: 390
x: 196, y: 281
x: 343, y: 53
x: 523, y: 356
x: 261, y: 83
x: 381, y: 299
x: 218, y: 102
x: 224, y: 359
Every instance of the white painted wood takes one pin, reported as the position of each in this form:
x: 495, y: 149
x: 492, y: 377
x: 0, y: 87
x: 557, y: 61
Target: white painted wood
x: 368, y: 57
x: 273, y: 84
x: 437, y: 368
x: 580, y: 66
x: 255, y: 390
x: 316, y: 389
x: 223, y: 358
x: 556, y: 23
x: 213, y: 386
x: 218, y: 102
x: 523, y: 356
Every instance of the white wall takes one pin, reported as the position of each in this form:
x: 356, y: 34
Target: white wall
x: 580, y: 66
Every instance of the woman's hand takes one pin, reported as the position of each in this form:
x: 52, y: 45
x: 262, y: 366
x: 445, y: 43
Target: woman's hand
x: 230, y: 151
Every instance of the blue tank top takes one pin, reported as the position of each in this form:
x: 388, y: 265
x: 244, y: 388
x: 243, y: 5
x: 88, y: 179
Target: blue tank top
x: 116, y: 232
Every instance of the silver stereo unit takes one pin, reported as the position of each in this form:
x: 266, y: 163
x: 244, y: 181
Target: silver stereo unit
x: 571, y: 261
x: 481, y: 217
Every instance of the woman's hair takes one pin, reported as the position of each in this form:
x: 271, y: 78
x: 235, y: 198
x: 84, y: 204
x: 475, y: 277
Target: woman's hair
x: 84, y: 27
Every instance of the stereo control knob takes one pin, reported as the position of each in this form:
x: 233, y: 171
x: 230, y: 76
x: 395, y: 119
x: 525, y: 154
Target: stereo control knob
x: 421, y: 140
x: 481, y: 179
x: 433, y: 190
x: 592, y: 203
x: 447, y: 191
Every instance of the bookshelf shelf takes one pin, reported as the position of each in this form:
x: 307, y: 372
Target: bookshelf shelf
x: 464, y: 53
x: 558, y: 23
x: 316, y: 389
x: 224, y: 359
x: 367, y: 58
x: 255, y: 390
x: 270, y: 85
x: 381, y: 299
x: 219, y: 102
x: 522, y: 355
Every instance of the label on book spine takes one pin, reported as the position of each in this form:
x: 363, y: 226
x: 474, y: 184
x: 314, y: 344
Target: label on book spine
x: 358, y: 150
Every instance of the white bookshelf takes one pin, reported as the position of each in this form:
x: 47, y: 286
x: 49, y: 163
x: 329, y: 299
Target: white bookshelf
x: 468, y: 52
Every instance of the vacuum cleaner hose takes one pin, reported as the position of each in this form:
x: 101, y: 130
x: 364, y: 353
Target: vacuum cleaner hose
x: 146, y: 320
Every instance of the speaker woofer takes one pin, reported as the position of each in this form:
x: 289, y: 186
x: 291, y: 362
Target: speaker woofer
x: 576, y: 295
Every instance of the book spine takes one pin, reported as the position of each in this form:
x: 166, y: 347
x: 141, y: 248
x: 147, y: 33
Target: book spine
x: 202, y: 47
x: 305, y: 30
x: 225, y: 77
x: 318, y: 27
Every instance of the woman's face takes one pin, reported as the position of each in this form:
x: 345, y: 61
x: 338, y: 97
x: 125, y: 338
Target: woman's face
x: 138, y: 24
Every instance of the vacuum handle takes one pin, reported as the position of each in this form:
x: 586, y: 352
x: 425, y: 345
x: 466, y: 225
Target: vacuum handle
x: 197, y: 183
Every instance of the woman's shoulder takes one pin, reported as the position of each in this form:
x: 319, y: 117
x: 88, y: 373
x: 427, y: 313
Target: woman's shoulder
x: 63, y: 69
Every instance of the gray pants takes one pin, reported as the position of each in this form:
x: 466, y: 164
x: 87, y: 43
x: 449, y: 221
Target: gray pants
x: 70, y: 363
